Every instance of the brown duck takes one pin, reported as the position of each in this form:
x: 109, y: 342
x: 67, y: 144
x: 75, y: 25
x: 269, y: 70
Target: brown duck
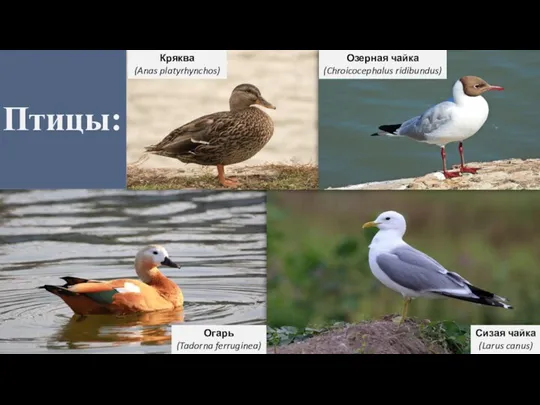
x: 222, y: 138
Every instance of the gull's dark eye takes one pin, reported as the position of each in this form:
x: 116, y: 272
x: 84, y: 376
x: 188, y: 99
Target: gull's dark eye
x: 155, y: 252
x: 387, y: 218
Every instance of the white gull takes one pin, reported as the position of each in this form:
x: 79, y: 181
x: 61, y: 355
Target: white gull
x: 453, y: 120
x: 414, y: 274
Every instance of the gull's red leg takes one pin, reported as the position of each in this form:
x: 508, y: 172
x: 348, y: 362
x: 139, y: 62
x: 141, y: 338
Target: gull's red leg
x: 446, y: 173
x: 463, y: 168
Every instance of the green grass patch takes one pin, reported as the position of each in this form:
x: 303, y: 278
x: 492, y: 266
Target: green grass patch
x: 451, y: 336
x: 285, y: 335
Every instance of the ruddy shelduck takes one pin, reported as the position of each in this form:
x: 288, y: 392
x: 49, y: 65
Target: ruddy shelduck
x: 153, y: 292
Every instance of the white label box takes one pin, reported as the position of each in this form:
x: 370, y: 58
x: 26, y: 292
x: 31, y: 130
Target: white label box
x: 152, y: 64
x: 505, y: 339
x: 380, y: 64
x: 218, y: 339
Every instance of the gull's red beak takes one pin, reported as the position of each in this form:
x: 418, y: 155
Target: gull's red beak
x: 498, y: 88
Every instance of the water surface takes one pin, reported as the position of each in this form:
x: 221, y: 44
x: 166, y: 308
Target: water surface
x: 351, y: 110
x: 218, y: 237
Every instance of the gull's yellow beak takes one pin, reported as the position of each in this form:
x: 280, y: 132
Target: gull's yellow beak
x: 370, y: 224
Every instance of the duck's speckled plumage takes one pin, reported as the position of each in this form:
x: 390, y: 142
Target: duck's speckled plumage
x: 225, y: 138
x: 222, y: 138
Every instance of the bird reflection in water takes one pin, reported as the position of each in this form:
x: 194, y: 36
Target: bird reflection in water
x: 151, y: 328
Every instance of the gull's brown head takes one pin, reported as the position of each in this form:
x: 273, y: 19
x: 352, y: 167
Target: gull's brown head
x: 245, y: 95
x: 474, y: 86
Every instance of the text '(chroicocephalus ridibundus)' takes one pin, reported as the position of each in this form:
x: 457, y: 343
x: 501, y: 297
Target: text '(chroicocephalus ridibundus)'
x: 453, y: 120
x: 412, y: 273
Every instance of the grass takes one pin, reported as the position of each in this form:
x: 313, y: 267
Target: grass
x: 451, y: 336
x: 435, y: 337
x: 264, y: 177
x: 317, y: 256
x: 285, y: 335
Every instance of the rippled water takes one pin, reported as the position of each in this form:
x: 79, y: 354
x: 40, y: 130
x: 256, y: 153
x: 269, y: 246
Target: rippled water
x: 218, y: 237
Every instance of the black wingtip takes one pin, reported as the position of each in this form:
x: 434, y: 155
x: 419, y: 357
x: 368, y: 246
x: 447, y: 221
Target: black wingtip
x: 375, y: 134
x: 389, y: 128
x: 483, y: 298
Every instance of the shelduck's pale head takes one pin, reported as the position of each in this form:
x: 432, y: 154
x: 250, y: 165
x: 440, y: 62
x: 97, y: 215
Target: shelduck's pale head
x: 153, y: 256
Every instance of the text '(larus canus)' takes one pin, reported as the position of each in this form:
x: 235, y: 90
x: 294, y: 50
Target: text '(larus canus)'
x: 453, y: 120
x: 414, y: 274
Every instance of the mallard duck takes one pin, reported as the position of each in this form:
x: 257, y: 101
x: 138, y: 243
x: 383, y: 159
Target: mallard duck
x: 153, y: 292
x: 222, y: 138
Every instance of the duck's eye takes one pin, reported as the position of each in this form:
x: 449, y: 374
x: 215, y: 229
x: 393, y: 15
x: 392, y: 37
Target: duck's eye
x: 155, y: 252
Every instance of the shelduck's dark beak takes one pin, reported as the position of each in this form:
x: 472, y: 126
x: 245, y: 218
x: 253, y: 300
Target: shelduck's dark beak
x: 168, y: 262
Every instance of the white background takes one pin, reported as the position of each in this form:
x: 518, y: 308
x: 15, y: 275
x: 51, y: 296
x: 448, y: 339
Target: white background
x: 338, y: 59
x: 477, y: 341
x: 150, y: 59
x: 251, y: 334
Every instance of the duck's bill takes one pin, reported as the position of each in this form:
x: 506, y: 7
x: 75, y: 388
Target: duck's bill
x: 370, y: 224
x: 168, y: 262
x: 264, y: 103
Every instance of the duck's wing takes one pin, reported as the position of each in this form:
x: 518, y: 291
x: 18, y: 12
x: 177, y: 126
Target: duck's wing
x: 104, y: 292
x: 198, y: 132
x: 106, y: 297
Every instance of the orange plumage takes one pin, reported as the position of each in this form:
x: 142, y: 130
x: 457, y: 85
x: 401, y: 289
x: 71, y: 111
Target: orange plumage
x: 153, y: 292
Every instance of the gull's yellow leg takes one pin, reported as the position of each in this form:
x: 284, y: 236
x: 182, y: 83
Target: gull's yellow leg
x: 405, y: 308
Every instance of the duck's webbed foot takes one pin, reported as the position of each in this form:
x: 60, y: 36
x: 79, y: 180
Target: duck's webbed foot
x: 226, y: 181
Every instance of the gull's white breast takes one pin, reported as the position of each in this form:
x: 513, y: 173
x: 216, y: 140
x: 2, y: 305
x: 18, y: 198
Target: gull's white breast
x: 467, y: 119
x: 384, y: 279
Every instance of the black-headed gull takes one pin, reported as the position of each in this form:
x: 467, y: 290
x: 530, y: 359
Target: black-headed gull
x: 413, y: 274
x: 450, y: 121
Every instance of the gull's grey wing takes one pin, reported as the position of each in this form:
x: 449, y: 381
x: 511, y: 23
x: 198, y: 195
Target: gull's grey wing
x: 417, y: 271
x: 427, y: 123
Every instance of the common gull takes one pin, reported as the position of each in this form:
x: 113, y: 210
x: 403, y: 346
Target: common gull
x: 414, y: 274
